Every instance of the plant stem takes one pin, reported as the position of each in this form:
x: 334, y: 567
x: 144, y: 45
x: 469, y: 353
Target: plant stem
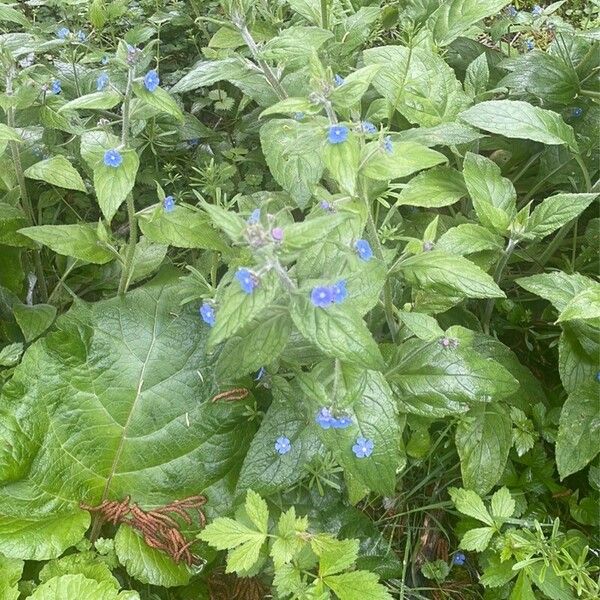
x: 489, y: 307
x: 325, y: 14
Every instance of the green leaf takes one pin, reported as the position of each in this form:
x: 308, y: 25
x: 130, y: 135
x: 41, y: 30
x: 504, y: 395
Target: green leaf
x: 355, y: 85
x: 477, y: 540
x: 477, y: 76
x: 467, y: 239
x: 556, y: 211
x: 14, y: 16
x: 147, y: 259
x: 98, y: 100
x: 83, y: 404
x: 79, y: 586
x: 257, y: 511
x: 235, y: 308
x: 503, y: 506
x: 483, y: 440
x: 494, y: 197
x: 440, y: 186
x: 357, y: 585
x: 159, y: 99
x: 417, y: 83
x: 342, y: 161
x: 578, y: 430
x: 425, y: 327
x: 522, y: 589
x: 225, y: 533
x: 405, y: 159
x: 183, y: 227
x: 148, y: 565
x: 87, y: 563
x: 585, y: 305
x: 293, y: 151
x: 12, y: 219
x: 521, y: 120
x: 57, y: 171
x: 226, y: 220
x: 9, y: 134
x: 288, y: 542
x: 469, y: 503
x: 34, y: 320
x: 575, y: 364
x: 334, y: 555
x: 444, y: 134
x: 449, y: 274
x: 80, y: 241
x: 304, y: 234
x: 11, y: 570
x: 337, y: 331
x: 243, y: 558
x: 290, y: 106
x: 295, y: 45
x: 552, y: 585
x: 496, y: 573
x: 456, y: 18
x: 557, y: 287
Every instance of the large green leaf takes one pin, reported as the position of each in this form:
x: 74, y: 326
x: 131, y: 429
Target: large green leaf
x: 159, y: 99
x: 437, y: 187
x: 113, y: 403
x: 517, y: 119
x: 57, y: 171
x: 79, y: 586
x: 98, y: 101
x: 10, y: 574
x: 557, y: 287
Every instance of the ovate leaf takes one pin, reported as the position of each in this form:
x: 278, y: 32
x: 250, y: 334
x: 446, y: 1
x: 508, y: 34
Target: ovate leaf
x: 159, y: 99
x: 34, y: 320
x: 585, y: 305
x: 437, y: 187
x: 477, y: 540
x: 355, y: 85
x: 98, y: 100
x: 56, y: 171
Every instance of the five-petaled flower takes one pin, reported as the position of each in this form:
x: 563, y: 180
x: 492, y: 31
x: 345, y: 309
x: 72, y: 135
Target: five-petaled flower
x: 363, y: 447
x: 63, y: 33
x: 337, y: 134
x: 339, y: 291
x: 169, y: 204
x: 56, y: 87
x: 324, y: 418
x: 459, y: 558
x: 101, y: 82
x: 321, y: 296
x: 113, y: 158
x: 368, y: 127
x: 248, y: 280
x: 363, y: 249
x: 151, y: 80
x: 207, y: 312
x: 283, y: 445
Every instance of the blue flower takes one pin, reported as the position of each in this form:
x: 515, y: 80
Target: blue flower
x: 598, y: 376
x: 247, y: 279
x: 283, y: 445
x: 81, y: 36
x: 339, y: 291
x: 207, y: 312
x: 530, y: 45
x: 321, y: 296
x: 537, y: 10
x: 151, y: 80
x: 337, y: 134
x: 368, y: 127
x: 260, y: 374
x: 101, y: 82
x: 325, y: 419
x: 104, y: 60
x: 169, y: 204
x: 63, y: 33
x: 342, y: 422
x: 326, y: 205
x: 387, y: 144
x: 56, y: 87
x: 299, y: 116
x: 459, y: 559
x: 363, y: 249
x: 254, y: 218
x: 511, y: 11
x: 577, y: 112
x: 113, y: 158
x: 363, y: 447
x: 338, y: 80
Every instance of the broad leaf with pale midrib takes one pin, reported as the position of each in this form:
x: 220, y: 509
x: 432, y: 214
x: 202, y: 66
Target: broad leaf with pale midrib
x: 113, y: 403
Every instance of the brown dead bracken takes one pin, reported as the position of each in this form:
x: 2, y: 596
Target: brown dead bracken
x: 158, y: 528
x: 231, y: 395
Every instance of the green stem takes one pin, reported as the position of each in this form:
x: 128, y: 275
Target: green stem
x: 590, y: 93
x: 325, y: 14
x: 489, y: 307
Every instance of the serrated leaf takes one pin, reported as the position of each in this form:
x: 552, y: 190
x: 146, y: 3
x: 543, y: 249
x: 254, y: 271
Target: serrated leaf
x: 78, y: 586
x: 245, y: 556
x: 477, y: 540
x: 354, y: 86
x: 257, y: 511
x: 288, y: 541
x: 477, y: 76
x: 557, y: 287
x: 425, y: 327
x: 522, y: 589
x: 225, y: 533
x: 11, y: 570
x: 57, y: 171
x: 440, y: 186
x: 467, y: 239
x: 575, y: 365
x: 334, y: 555
x: 585, y: 305
x: 87, y: 563
x: 80, y: 241
x: 496, y: 573
x: 469, y: 503
x: 159, y: 99
x: 357, y: 585
x: 34, y: 320
x: 521, y: 120
x: 502, y: 506
x: 97, y: 101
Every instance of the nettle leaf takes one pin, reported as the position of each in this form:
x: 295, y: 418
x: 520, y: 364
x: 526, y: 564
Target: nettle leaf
x: 355, y: 85
x: 98, y: 100
x: 585, y: 305
x: 483, y: 440
x: 337, y: 331
x: 57, y: 171
x: 417, y: 83
x: 457, y: 17
x: 183, y: 227
x: 449, y: 274
x: 111, y: 435
x: 80, y: 241
x: 494, y: 197
x: 34, y: 320
x: 404, y: 159
x: 467, y: 239
x: 79, y: 586
x: 434, y: 381
x: 236, y: 308
x: 264, y: 469
x: 293, y: 151
x: 440, y: 186
x: 556, y: 211
x: 159, y: 99
x: 578, y: 430
x: 521, y: 120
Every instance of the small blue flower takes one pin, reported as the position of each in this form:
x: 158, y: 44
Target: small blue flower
x: 338, y: 80
x: 260, y: 374
x: 387, y: 144
x: 283, y: 445
x: 169, y: 204
x: 254, y: 218
x: 326, y: 205
x: 113, y: 158
x: 63, y: 33
x: 511, y: 11
x: 102, y: 81
x: 56, y: 87
x: 368, y: 127
x: 299, y: 116
x: 577, y: 112
x: 598, y: 376
x: 104, y: 60
x: 363, y: 249
x: 207, y: 312
x: 339, y: 291
x: 342, y: 422
x: 325, y: 419
x: 363, y: 447
x: 537, y: 10
x: 337, y: 134
x: 322, y: 296
x: 151, y: 80
x: 247, y: 279
x: 459, y: 559
x: 81, y: 35
x: 529, y: 45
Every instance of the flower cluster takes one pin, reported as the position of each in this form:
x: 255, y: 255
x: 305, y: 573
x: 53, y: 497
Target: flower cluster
x: 247, y: 280
x: 326, y: 420
x: 323, y: 296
